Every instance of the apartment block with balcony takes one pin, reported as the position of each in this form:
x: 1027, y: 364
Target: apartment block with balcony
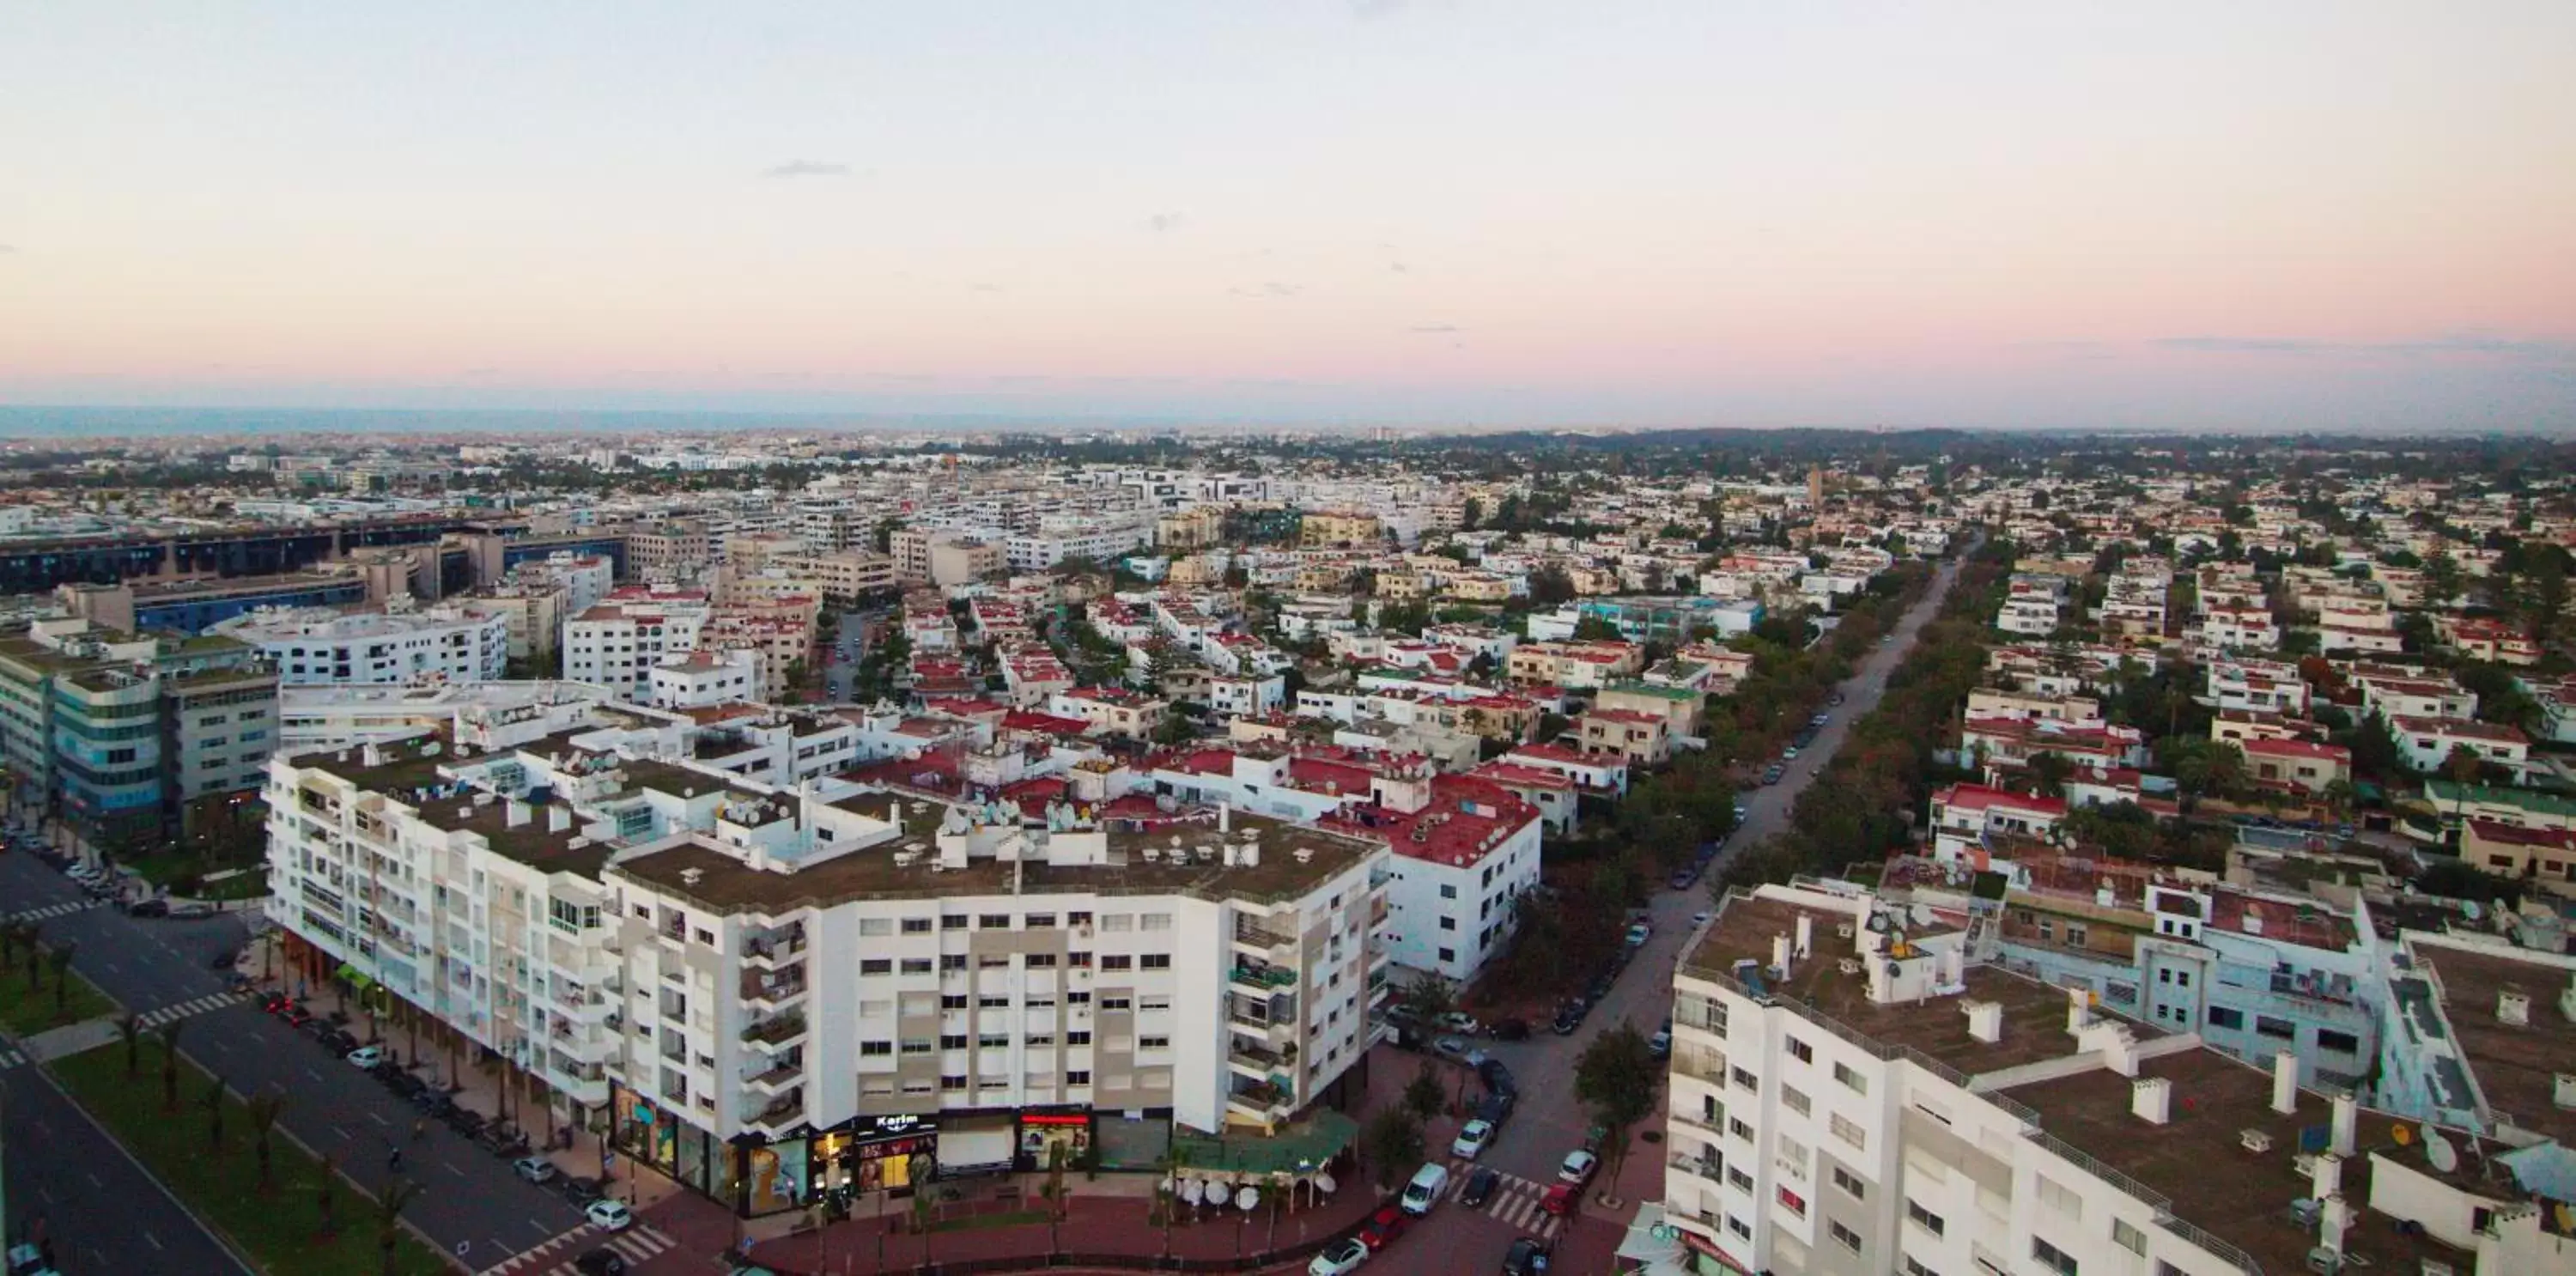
x: 1855, y: 1090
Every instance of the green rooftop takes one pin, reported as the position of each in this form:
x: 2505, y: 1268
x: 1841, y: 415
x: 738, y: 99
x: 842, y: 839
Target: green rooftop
x: 1310, y: 1142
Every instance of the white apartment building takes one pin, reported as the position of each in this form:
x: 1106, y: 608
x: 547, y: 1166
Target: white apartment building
x: 702, y: 679
x: 451, y: 642
x: 2034, y: 614
x: 489, y: 715
x: 1854, y: 1092
x: 617, y: 643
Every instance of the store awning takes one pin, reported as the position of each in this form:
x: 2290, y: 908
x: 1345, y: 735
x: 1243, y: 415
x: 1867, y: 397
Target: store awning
x: 1651, y: 1246
x: 356, y: 978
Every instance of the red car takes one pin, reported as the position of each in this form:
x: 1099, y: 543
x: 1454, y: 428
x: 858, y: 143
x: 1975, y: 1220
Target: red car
x: 1559, y: 1199
x: 1382, y: 1230
x: 295, y: 1016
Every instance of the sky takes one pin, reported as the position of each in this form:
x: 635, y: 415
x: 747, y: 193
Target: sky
x: 2280, y: 215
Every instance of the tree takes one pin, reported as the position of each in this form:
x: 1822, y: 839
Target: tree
x: 129, y: 1029
x: 390, y: 1205
x: 34, y: 935
x: 924, y: 1202
x: 213, y: 1103
x: 2463, y: 765
x: 2049, y: 770
x: 1392, y: 1144
x: 327, y: 1195
x: 2441, y: 580
x: 1424, y: 1094
x: 170, y: 1065
x: 1054, y: 1192
x: 264, y: 1111
x: 1616, y: 1077
x: 1428, y: 998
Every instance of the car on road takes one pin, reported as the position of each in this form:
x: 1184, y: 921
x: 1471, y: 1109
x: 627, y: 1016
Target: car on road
x: 581, y: 1191
x: 1789, y: 754
x: 1480, y: 1188
x: 602, y: 1261
x: 192, y: 912
x: 400, y: 1082
x: 609, y: 1216
x: 1461, y: 1024
x: 1820, y: 719
x: 1577, y: 1167
x: 535, y: 1169
x: 148, y: 908
x: 1660, y: 1045
x: 466, y: 1121
x: 1681, y: 879
x: 1836, y: 699
x: 1700, y: 918
x: 1449, y: 1047
x: 1772, y: 773
x: 1383, y: 1227
x: 1511, y: 1030
x: 1471, y: 1140
x: 1526, y: 1257
x: 1559, y: 1200
x: 342, y: 1043
x: 1886, y: 640
x: 1497, y: 1078
x: 1639, y: 933
x: 1424, y: 1191
x: 1568, y: 1019
x: 1340, y: 1258
x: 295, y: 1016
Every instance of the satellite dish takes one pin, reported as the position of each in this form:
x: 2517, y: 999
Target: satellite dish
x: 2440, y: 1153
x: 1924, y: 916
x: 1894, y: 969
x: 1189, y: 1192
x: 1247, y: 1198
x: 2403, y: 1134
x: 1325, y: 1184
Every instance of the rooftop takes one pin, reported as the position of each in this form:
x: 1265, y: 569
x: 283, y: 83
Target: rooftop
x: 2515, y: 1066
x: 530, y: 842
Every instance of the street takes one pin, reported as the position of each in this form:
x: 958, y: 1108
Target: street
x: 158, y: 967
x: 99, y: 1208
x: 1549, y: 1122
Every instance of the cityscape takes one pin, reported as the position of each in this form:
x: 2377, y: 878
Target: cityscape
x: 1382, y: 637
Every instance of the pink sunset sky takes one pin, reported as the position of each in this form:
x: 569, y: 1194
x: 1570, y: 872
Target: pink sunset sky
x: 2277, y: 215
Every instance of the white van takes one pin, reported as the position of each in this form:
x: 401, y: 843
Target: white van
x: 1424, y: 1191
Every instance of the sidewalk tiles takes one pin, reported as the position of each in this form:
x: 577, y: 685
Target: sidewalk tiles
x: 555, y: 1257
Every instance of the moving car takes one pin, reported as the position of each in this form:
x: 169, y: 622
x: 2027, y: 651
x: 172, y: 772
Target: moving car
x: 1339, y: 1259
x: 535, y: 1169
x: 1471, y: 1140
x: 1526, y: 1257
x: 609, y: 1216
x: 1480, y: 1188
x: 1577, y: 1167
x: 602, y: 1261
x: 1559, y: 1200
x: 1424, y: 1191
x: 1383, y: 1227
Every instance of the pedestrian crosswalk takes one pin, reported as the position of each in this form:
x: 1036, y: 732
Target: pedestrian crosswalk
x: 192, y: 1006
x: 63, y: 909
x: 1515, y: 1200
x: 10, y: 1058
x: 556, y: 1257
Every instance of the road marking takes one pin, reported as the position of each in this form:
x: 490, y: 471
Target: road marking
x: 156, y: 1241
x: 377, y: 1119
x: 93, y: 1179
x: 338, y: 1131
x: 451, y: 1169
x: 308, y: 1071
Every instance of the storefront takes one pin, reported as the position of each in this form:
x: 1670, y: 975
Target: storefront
x: 757, y: 1177
x: 647, y: 1134
x: 1042, y: 1130
x: 970, y: 1145
x: 876, y: 1154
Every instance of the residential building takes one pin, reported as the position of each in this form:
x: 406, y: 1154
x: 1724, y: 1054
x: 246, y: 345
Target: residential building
x: 402, y: 643
x: 2425, y: 743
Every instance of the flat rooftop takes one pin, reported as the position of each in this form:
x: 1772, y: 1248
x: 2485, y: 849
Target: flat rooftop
x: 727, y: 885
x: 529, y: 843
x: 2199, y: 1161
x: 2034, y: 1026
x: 2515, y: 1066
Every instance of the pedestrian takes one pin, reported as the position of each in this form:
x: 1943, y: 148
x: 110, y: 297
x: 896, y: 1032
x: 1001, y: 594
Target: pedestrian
x: 393, y: 1160
x: 420, y: 1129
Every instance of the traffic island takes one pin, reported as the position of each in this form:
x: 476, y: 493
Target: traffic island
x: 298, y: 1218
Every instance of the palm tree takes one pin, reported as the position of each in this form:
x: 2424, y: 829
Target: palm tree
x: 2338, y: 795
x: 129, y: 1029
x: 213, y: 1103
x: 397, y: 1196
x: 35, y: 937
x: 62, y: 959
x: 8, y: 944
x: 170, y: 1065
x: 923, y: 1203
x: 264, y: 1111
x: 328, y: 1195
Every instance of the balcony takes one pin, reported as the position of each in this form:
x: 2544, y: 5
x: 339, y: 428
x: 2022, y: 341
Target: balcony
x: 776, y: 1031
x: 787, y: 1072
x: 1263, y: 941
x: 1257, y: 1057
x: 1699, y: 1167
x: 779, y: 1113
x: 1265, y: 1101
x: 1707, y: 1066
x: 773, y: 993
x: 770, y: 952
x: 1261, y: 977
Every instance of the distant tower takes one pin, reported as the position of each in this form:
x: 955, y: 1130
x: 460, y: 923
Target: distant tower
x: 1816, y: 486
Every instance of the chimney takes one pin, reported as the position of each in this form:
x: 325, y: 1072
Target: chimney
x: 518, y: 814
x: 558, y: 818
x: 1225, y: 817
x: 1985, y: 1020
x: 2079, y: 1009
x: 2513, y: 1006
x: 1806, y: 933
x: 2332, y: 1218
x: 1780, y: 954
x: 2285, y: 1082
x: 2120, y: 1050
x: 2347, y: 1122
x: 2325, y: 1176
x: 2152, y: 1099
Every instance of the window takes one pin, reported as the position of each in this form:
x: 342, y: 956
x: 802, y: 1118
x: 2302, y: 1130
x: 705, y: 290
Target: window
x: 1847, y: 1130
x: 870, y: 927
x: 1737, y: 1127
x: 1851, y: 1078
x: 1077, y: 1078
x: 1039, y: 921
x: 1801, y: 1051
x: 2222, y: 1017
x: 1154, y: 961
x: 2127, y: 1237
x: 2051, y: 1257
x: 1736, y: 1225
x: 1794, y: 1203
x: 1154, y: 921
x: 952, y: 921
x: 993, y: 1041
x: 952, y: 1001
x: 952, y: 1041
x: 1794, y: 1098
x: 916, y: 925
x: 1112, y: 1005
x: 1153, y: 1043
x: 1448, y: 923
x: 1913, y: 1268
x: 1850, y: 1183
x: 916, y: 965
x: 877, y: 966
x: 952, y: 961
x: 1448, y: 955
x: 952, y: 1083
x: 1077, y: 1038
x: 1843, y: 1236
x: 1044, y: 961
x: 993, y: 1003
x: 1921, y: 1217
x: 2329, y: 1039
x: 1738, y: 1179
x: 1744, y: 1080
x: 875, y: 1049
x: 1117, y: 922
x: 2271, y: 1027
x: 1448, y: 892
x: 2059, y: 1197
x: 993, y: 921
x: 1117, y: 961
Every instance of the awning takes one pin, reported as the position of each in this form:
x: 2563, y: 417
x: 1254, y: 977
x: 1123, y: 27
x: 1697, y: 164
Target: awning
x: 357, y: 978
x: 1647, y: 1247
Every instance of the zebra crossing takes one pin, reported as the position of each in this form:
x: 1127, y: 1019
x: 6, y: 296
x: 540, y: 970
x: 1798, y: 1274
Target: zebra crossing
x: 190, y: 1007
x: 10, y: 1058
x: 63, y: 909
x: 1515, y: 1200
x: 638, y: 1243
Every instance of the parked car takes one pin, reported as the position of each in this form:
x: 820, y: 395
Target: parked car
x: 1681, y: 879
x: 1567, y: 1020
x: 433, y: 1102
x: 1789, y: 754
x: 192, y: 911
x: 1471, y: 1140
x: 1660, y: 1045
x: 1511, y: 1030
x: 609, y: 1216
x: 1496, y: 1108
x: 1638, y: 933
x: 535, y: 1169
x: 1559, y: 1200
x: 1450, y: 1047
x: 342, y: 1043
x: 401, y: 1082
x: 581, y: 1191
x: 1425, y: 1189
x: 1820, y: 719
x: 1480, y: 1187
x: 465, y: 1121
x: 602, y: 1261
x: 1462, y: 1024
x: 1526, y: 1257
x: 1771, y: 774
x: 1340, y: 1258
x: 148, y: 908
x: 295, y: 1016
x: 1577, y: 1167
x: 1836, y: 699
x: 1383, y: 1227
